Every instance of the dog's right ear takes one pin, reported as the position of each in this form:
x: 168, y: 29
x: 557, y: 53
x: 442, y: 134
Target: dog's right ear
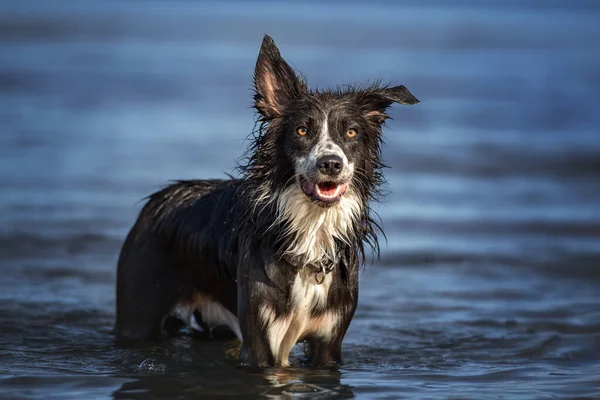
x: 275, y: 82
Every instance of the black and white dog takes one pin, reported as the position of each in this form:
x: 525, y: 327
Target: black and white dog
x: 275, y: 254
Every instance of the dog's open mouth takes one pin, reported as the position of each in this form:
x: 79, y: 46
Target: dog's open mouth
x: 326, y: 192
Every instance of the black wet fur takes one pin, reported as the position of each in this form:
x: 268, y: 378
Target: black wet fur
x: 223, y: 238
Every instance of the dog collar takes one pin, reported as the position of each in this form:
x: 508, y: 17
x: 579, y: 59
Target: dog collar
x: 322, y: 272
x: 320, y: 269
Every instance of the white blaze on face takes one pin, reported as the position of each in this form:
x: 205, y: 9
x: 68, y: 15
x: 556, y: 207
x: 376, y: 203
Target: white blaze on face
x: 307, y: 166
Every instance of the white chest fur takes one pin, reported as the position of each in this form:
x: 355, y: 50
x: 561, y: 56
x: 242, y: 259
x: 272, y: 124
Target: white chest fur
x: 284, y: 331
x: 314, y: 229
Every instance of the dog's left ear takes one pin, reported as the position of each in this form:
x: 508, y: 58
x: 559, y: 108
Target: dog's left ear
x: 375, y: 102
x: 275, y: 82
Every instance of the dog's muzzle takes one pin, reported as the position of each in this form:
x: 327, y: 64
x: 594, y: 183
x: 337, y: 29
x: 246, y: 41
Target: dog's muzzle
x: 324, y: 178
x: 330, y: 165
x: 326, y: 187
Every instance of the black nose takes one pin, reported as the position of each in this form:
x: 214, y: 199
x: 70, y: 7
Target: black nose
x: 330, y: 165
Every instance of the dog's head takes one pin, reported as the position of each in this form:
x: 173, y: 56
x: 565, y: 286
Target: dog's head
x: 324, y: 142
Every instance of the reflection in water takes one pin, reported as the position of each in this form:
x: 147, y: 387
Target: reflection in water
x: 302, y: 381
x: 199, y: 378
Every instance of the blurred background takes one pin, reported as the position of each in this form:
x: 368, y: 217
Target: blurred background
x: 489, y: 282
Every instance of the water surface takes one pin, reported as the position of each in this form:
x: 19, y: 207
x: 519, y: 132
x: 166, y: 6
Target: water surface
x: 489, y: 280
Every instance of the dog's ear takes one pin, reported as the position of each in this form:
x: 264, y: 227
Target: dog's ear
x: 275, y: 82
x: 375, y: 102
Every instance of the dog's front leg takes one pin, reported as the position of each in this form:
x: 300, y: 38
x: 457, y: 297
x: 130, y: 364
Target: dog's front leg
x: 253, y: 291
x: 255, y: 351
x: 325, y: 354
x: 326, y: 351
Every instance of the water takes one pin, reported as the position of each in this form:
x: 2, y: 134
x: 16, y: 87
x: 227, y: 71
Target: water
x: 489, y: 282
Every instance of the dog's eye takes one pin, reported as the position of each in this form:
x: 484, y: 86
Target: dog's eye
x: 351, y: 133
x: 302, y: 131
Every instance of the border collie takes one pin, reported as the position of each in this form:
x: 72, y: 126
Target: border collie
x: 273, y: 255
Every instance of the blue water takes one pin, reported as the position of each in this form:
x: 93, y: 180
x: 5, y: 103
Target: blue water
x: 489, y: 281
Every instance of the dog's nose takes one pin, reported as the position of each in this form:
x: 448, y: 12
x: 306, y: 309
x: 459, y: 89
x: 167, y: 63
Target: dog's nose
x: 330, y: 165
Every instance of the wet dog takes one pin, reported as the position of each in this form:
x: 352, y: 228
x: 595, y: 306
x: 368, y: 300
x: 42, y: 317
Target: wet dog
x: 274, y: 255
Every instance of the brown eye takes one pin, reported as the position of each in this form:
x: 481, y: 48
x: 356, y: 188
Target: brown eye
x: 351, y: 133
x: 302, y: 131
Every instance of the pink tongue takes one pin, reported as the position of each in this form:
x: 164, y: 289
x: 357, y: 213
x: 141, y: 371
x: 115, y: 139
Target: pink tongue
x: 328, y: 189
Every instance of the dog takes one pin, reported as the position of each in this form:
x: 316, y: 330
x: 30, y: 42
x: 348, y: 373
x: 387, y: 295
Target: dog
x: 273, y: 255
